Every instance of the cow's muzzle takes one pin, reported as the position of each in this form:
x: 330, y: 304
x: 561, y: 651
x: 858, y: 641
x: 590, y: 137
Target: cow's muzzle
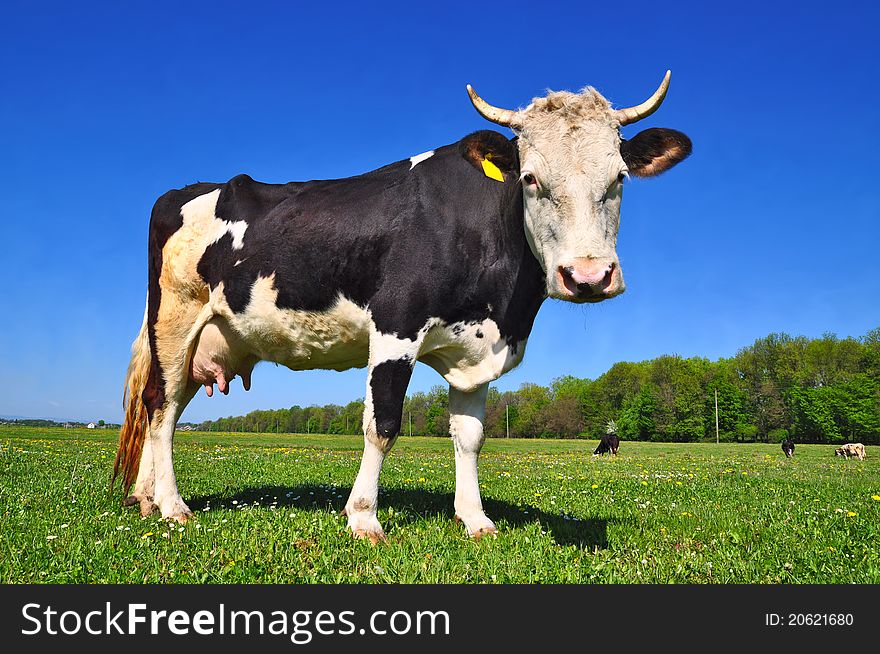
x: 589, y: 280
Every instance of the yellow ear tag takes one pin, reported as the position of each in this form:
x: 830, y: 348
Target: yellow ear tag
x: 491, y: 170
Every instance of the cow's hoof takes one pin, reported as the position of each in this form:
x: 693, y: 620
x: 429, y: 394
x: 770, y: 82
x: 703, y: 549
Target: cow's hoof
x: 147, y: 507
x: 375, y: 537
x: 366, y: 527
x: 478, y: 526
x: 484, y: 531
x: 146, y: 504
x: 180, y: 518
x: 177, y: 512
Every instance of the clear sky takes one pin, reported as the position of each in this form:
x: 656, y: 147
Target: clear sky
x: 772, y: 225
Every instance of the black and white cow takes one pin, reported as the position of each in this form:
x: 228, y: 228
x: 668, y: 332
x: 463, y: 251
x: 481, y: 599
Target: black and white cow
x: 788, y: 447
x: 442, y: 258
x: 608, y: 443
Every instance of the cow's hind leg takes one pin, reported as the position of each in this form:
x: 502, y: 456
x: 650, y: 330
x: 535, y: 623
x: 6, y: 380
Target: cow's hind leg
x: 144, y: 492
x: 144, y: 487
x: 390, y: 369
x: 168, y: 392
x: 166, y: 494
x: 466, y: 414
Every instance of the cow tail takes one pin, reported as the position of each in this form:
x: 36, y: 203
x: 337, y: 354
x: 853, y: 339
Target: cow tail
x: 135, y: 425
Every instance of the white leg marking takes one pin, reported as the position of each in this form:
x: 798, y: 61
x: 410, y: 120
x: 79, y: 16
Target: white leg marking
x: 363, y: 502
x: 166, y: 495
x: 466, y: 414
x: 364, y: 499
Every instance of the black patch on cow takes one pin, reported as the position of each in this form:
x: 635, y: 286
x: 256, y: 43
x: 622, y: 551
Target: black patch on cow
x: 479, y: 333
x: 388, y: 383
x: 440, y: 240
x: 165, y: 220
x: 654, y: 151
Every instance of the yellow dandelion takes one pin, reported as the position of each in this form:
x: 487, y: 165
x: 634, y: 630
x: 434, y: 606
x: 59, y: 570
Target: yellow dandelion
x: 851, y: 514
x: 597, y: 486
x: 876, y: 498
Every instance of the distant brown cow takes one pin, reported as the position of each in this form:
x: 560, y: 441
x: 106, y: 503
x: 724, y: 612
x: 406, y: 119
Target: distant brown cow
x: 851, y: 449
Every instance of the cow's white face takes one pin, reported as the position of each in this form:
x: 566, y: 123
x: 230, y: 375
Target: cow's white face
x: 572, y: 174
x: 573, y: 164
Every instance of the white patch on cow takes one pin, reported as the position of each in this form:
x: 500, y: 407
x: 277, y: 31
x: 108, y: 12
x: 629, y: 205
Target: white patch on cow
x: 390, y: 347
x: 336, y: 339
x: 465, y: 359
x: 237, y: 263
x: 237, y: 229
x: 419, y: 158
x: 199, y: 216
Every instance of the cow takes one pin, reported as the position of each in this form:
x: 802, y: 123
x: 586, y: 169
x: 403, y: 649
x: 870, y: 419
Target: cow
x: 851, y: 449
x: 788, y: 447
x: 608, y: 443
x: 443, y: 258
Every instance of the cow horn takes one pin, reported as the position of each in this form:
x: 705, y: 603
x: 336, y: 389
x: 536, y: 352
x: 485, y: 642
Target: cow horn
x: 649, y: 106
x: 504, y: 117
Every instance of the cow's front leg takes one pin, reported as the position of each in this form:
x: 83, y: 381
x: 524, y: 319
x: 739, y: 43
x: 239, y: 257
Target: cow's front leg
x: 387, y: 381
x: 466, y: 414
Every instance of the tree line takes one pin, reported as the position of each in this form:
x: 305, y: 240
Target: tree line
x: 824, y: 390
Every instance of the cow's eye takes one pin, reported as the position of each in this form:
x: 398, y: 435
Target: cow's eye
x: 621, y: 176
x: 529, y: 180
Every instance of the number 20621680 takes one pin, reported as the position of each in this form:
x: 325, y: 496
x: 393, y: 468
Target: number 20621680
x: 808, y: 619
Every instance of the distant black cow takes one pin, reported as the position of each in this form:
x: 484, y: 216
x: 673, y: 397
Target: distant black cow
x: 788, y: 447
x: 608, y: 443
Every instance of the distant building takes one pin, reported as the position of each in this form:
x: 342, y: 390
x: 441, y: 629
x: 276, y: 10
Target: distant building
x: 91, y: 425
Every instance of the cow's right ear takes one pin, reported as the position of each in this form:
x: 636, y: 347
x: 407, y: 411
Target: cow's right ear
x: 654, y: 151
x: 490, y: 146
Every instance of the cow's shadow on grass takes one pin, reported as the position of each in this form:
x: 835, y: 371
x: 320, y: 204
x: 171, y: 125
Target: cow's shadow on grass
x: 410, y: 505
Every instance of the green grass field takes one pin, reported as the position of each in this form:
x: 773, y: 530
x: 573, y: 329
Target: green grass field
x: 267, y: 511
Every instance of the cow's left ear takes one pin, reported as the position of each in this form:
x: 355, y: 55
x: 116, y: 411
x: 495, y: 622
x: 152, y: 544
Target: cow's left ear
x: 654, y: 151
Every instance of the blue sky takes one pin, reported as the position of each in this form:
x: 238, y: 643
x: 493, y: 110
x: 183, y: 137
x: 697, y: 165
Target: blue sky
x: 772, y: 225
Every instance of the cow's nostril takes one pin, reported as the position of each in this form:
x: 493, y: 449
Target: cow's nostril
x: 609, y: 275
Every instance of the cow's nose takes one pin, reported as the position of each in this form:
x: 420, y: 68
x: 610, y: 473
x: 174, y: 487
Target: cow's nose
x: 590, y: 280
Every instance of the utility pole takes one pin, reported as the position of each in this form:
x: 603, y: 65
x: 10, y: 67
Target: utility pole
x: 410, y: 423
x: 716, y: 417
x: 507, y: 418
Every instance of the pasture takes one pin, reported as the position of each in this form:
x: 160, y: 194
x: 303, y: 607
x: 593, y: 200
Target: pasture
x: 267, y: 511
